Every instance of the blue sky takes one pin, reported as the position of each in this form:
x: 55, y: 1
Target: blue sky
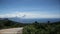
x: 30, y: 8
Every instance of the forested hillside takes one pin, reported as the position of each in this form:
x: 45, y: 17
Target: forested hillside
x: 6, y: 23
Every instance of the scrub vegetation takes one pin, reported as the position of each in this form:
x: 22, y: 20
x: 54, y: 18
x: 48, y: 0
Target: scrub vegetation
x: 32, y: 28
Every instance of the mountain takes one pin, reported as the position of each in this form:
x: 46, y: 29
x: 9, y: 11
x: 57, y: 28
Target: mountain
x: 23, y: 20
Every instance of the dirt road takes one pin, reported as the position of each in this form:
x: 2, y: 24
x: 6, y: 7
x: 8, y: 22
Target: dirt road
x: 11, y: 31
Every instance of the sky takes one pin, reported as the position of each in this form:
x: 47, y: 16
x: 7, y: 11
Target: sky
x: 30, y: 8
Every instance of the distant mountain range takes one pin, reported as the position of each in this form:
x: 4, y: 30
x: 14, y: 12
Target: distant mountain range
x: 41, y: 20
x: 22, y: 20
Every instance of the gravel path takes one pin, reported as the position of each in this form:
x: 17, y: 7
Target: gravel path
x: 11, y: 31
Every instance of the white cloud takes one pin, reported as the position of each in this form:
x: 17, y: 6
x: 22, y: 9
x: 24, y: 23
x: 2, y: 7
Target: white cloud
x: 29, y: 15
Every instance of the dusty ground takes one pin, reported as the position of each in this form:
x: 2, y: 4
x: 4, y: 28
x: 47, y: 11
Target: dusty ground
x: 11, y: 31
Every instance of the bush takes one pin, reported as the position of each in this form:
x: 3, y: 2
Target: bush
x: 38, y: 28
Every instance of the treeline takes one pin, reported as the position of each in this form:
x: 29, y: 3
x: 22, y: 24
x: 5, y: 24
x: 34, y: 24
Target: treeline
x: 42, y: 28
x: 6, y: 23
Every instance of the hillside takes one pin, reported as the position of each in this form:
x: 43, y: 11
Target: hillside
x: 32, y: 28
x: 42, y: 28
x: 6, y: 23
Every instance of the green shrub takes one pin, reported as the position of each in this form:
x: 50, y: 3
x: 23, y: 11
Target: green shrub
x: 51, y: 28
